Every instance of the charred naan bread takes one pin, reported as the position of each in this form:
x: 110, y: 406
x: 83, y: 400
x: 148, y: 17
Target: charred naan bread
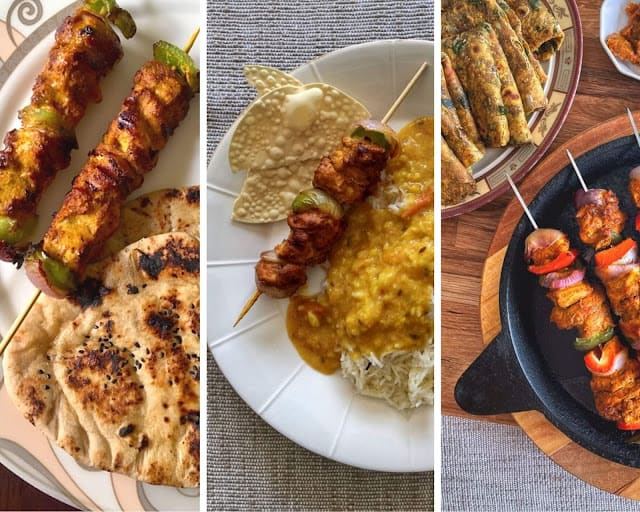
x: 29, y: 363
x: 118, y: 387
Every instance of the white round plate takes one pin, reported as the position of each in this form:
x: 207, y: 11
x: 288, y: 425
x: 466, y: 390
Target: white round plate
x: 613, y: 19
x: 23, y: 449
x: 320, y: 412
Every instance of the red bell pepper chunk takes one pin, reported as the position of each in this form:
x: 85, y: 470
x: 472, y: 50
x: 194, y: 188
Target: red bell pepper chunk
x: 628, y: 426
x: 601, y: 359
x: 609, y: 256
x: 561, y: 261
x: 638, y: 222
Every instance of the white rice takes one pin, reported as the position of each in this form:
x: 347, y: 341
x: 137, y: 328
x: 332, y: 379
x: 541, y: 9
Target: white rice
x: 402, y: 378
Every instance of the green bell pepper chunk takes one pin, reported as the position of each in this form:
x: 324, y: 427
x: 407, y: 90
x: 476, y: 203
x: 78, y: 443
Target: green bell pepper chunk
x: 110, y: 10
x: 44, y: 118
x: 586, y: 344
x: 58, y: 274
x: 13, y: 231
x: 314, y: 198
x: 179, y: 60
x: 378, y: 138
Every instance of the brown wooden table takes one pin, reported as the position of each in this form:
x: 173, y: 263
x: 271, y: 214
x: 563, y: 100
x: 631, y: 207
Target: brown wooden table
x: 16, y: 494
x: 603, y: 93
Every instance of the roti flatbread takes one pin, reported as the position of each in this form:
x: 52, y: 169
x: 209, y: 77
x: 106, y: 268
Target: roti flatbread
x: 118, y: 386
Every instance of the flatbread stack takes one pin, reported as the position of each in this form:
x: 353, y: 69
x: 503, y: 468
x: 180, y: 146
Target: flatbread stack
x: 492, y: 80
x: 114, y: 377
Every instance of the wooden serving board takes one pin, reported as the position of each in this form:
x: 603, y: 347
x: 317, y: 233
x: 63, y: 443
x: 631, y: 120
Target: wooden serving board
x: 606, y: 475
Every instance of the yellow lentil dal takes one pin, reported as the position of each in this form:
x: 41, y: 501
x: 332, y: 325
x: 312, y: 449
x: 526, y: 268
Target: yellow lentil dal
x: 378, y: 295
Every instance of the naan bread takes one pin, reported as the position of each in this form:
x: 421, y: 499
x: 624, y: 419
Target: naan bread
x: 118, y: 386
x: 162, y: 211
x: 150, y: 214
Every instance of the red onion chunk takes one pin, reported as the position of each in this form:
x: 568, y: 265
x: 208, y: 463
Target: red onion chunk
x: 635, y: 173
x: 540, y: 239
x: 270, y: 256
x: 557, y: 280
x: 614, y: 270
x: 591, y: 196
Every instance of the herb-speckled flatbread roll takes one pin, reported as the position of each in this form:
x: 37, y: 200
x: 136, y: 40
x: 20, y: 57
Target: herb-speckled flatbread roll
x: 460, y: 101
x: 518, y: 128
x: 540, y: 27
x: 514, y: 20
x: 470, y: 54
x: 118, y: 386
x: 463, y: 15
x: 457, y: 181
x: 452, y: 129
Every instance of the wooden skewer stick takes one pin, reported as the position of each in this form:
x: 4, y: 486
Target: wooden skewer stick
x: 578, y: 173
x: 18, y: 321
x: 522, y: 203
x: 633, y: 125
x: 254, y: 298
x: 192, y: 39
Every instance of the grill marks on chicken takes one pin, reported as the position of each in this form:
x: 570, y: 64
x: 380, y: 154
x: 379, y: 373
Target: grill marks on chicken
x: 90, y: 212
x: 351, y: 172
x: 86, y: 48
x: 348, y: 175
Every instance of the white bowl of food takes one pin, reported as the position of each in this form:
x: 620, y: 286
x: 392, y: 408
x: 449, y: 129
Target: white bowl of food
x: 613, y: 18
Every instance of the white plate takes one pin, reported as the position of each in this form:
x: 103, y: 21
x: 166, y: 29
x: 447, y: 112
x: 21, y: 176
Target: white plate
x: 23, y: 449
x: 613, y: 19
x: 321, y: 413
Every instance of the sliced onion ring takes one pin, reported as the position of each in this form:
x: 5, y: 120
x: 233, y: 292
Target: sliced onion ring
x: 635, y: 173
x: 591, y: 196
x: 615, y: 270
x: 270, y: 257
x: 557, y: 280
x: 541, y: 238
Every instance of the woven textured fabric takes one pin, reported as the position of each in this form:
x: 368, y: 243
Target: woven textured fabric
x: 490, y: 467
x: 251, y: 466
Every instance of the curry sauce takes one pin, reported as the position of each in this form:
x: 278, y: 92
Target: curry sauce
x: 379, y: 287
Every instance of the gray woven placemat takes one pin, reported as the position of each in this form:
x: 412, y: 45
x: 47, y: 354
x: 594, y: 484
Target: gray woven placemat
x: 251, y: 466
x: 490, y: 467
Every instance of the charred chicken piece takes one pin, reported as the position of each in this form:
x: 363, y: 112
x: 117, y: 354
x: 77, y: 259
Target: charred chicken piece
x: 351, y: 172
x: 312, y: 236
x: 86, y: 48
x: 278, y: 278
x: 599, y: 216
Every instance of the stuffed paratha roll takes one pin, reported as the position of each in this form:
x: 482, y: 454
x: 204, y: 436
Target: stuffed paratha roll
x: 518, y: 127
x: 460, y: 101
x: 464, y: 15
x: 457, y: 181
x: 540, y: 27
x: 452, y: 129
x: 470, y: 54
x: 514, y: 20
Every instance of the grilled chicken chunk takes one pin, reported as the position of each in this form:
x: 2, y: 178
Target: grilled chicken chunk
x: 89, y: 214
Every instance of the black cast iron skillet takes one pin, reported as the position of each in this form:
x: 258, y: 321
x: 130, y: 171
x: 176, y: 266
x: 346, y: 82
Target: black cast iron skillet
x: 531, y: 364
